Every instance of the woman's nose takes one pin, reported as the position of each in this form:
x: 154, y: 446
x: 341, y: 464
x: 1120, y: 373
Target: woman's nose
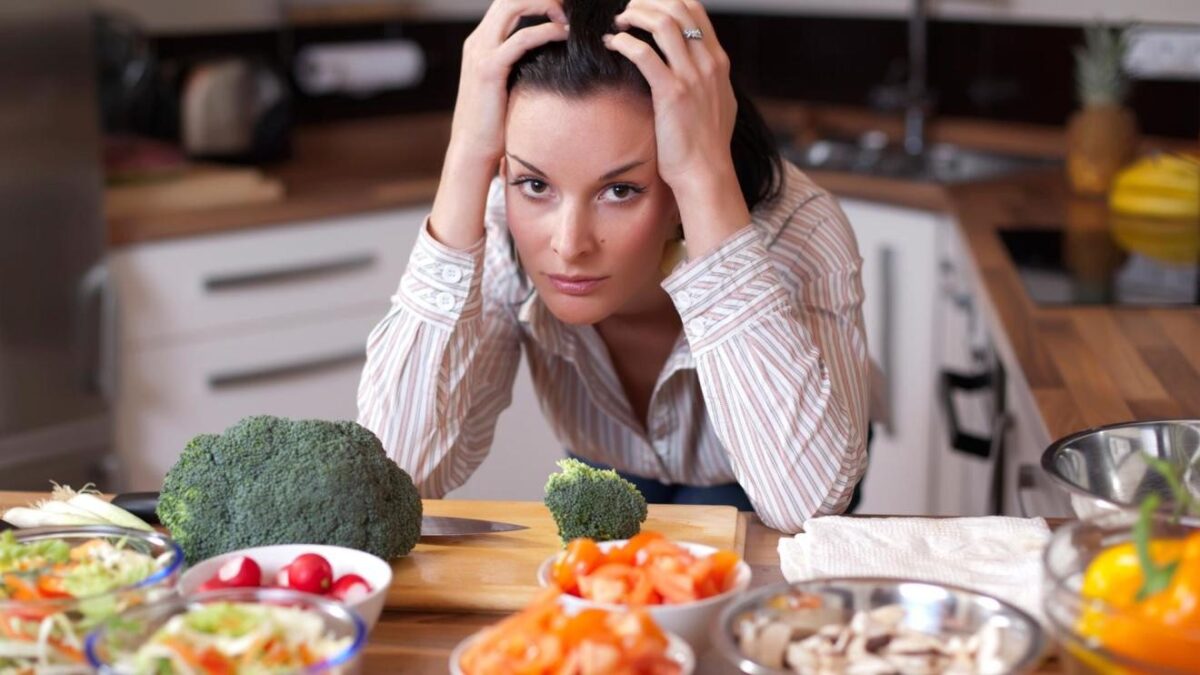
x: 573, y: 237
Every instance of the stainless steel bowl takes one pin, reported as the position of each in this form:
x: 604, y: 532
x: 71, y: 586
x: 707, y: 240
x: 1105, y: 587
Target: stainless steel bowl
x: 1105, y: 468
x: 935, y: 609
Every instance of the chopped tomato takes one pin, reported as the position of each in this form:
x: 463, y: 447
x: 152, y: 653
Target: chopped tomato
x: 581, y: 557
x: 649, y: 569
x: 628, y: 552
x: 542, y: 639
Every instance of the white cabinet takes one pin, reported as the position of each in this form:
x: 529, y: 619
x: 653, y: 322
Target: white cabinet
x: 973, y: 344
x: 265, y: 321
x: 275, y: 321
x: 899, y: 247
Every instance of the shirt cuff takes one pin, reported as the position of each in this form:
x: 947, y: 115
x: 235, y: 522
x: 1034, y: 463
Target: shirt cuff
x: 441, y: 283
x: 722, y: 293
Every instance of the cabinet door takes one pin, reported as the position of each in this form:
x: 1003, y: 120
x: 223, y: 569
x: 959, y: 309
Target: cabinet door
x: 899, y: 251
x: 961, y: 482
x: 168, y: 395
x: 211, y: 285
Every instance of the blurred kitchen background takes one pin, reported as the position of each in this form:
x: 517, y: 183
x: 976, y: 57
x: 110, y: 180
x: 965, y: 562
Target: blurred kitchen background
x: 205, y: 206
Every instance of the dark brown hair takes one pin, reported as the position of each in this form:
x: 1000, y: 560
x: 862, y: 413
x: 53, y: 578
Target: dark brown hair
x: 582, y: 65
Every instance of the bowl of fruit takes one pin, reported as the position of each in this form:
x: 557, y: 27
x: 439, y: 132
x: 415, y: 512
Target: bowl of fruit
x: 349, y: 576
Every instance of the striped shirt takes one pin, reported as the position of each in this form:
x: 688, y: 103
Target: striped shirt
x: 766, y: 385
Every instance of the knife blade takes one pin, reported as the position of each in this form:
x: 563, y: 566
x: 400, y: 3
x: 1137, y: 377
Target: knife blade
x: 144, y: 504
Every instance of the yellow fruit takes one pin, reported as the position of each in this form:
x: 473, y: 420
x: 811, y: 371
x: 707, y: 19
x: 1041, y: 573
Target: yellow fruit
x: 1160, y: 186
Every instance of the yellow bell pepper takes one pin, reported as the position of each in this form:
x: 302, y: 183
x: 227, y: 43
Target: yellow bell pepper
x: 1162, y: 629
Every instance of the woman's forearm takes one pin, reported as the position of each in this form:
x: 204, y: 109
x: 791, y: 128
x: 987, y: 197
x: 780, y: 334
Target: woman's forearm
x: 458, y: 207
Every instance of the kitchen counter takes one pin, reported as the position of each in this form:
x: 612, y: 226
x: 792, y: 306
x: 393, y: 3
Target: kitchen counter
x: 336, y: 169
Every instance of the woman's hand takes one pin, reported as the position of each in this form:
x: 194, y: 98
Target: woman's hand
x: 488, y: 56
x: 477, y: 131
x: 694, y: 114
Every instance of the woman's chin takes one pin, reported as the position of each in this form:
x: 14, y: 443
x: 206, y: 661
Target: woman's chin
x: 576, y: 310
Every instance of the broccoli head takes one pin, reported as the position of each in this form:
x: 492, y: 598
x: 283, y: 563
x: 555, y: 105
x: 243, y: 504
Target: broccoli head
x: 595, y: 503
x: 270, y: 480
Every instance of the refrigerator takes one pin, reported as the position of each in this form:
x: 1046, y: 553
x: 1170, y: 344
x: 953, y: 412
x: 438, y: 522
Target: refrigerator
x: 56, y: 311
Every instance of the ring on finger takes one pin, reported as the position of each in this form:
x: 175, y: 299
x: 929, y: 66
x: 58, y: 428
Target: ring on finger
x: 693, y: 34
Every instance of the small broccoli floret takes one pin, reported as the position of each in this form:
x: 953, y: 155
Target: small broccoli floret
x: 270, y: 480
x: 595, y: 503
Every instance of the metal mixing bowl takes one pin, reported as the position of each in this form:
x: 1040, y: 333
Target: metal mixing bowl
x: 1105, y: 468
x: 935, y: 609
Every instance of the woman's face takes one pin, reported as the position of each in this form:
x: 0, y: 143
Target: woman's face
x: 586, y: 207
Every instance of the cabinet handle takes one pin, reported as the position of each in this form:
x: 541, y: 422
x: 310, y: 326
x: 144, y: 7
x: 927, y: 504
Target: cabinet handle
x: 241, y: 280
x: 887, y: 274
x: 95, y: 325
x: 1026, y: 482
x: 987, y: 447
x: 258, y: 376
x: 962, y: 441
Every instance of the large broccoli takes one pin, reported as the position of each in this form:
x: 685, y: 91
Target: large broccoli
x: 269, y: 480
x: 596, y: 503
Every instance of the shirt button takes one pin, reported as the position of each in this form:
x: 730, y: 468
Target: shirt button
x: 445, y: 301
x: 699, y: 326
x: 683, y: 299
x: 451, y: 274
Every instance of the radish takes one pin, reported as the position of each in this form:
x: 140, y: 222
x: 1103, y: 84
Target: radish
x: 310, y: 573
x: 240, y: 572
x: 350, y: 588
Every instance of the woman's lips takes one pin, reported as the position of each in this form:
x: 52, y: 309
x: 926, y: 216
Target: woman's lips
x: 575, y: 285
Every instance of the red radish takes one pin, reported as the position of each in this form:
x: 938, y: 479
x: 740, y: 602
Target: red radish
x: 213, y: 584
x: 310, y: 573
x: 350, y: 588
x: 240, y: 572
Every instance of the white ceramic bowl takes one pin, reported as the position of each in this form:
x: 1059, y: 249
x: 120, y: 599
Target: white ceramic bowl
x: 271, y: 559
x: 689, y: 621
x: 677, y: 650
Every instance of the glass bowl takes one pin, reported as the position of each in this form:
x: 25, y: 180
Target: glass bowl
x: 1081, y: 626
x: 47, y: 634
x: 107, y: 645
x: 933, y: 609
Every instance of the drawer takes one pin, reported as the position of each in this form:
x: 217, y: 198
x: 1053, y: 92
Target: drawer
x: 205, y: 286
x: 167, y: 395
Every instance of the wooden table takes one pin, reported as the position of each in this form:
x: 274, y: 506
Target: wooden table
x: 419, y: 643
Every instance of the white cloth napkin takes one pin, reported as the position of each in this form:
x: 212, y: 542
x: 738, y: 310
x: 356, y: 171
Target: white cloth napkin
x: 996, y: 555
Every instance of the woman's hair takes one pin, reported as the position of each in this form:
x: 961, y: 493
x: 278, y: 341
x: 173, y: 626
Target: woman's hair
x: 582, y: 65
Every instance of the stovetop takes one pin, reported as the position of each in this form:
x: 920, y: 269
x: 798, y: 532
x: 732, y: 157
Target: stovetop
x: 1107, y: 267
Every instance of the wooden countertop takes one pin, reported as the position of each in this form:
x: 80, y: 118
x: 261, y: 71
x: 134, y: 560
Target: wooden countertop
x: 336, y: 169
x: 1086, y: 366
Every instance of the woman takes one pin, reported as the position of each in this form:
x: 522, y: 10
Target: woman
x: 690, y: 306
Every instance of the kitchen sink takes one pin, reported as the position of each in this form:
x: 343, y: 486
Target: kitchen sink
x: 940, y: 163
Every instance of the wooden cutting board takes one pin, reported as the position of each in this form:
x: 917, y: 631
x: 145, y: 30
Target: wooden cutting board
x: 498, y: 572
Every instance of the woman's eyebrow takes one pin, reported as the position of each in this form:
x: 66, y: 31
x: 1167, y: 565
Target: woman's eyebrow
x: 528, y: 165
x: 622, y: 169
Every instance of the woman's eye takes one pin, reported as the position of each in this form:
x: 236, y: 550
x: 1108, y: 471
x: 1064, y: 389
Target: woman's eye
x: 621, y: 192
x: 534, y: 187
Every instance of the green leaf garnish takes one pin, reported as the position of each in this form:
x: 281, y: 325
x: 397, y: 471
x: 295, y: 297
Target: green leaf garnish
x: 1155, y: 579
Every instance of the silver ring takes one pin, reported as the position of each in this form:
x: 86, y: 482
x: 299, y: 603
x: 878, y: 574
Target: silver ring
x: 693, y: 34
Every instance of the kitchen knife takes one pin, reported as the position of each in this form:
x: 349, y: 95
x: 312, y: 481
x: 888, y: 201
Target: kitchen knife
x: 143, y: 505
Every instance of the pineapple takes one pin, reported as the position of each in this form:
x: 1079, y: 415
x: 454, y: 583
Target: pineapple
x: 1102, y: 136
x: 1099, y: 66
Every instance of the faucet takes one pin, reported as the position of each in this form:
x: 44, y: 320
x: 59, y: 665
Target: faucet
x: 916, y: 104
